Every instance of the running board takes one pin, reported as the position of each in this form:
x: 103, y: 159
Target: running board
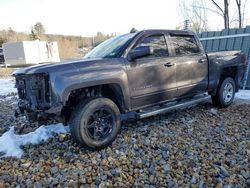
x: 169, y: 107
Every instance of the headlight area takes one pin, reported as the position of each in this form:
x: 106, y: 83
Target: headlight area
x: 33, y: 91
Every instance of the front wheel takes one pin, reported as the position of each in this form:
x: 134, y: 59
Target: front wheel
x: 95, y: 123
x: 225, y: 93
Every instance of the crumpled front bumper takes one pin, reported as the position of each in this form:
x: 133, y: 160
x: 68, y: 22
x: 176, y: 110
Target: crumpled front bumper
x: 24, y: 108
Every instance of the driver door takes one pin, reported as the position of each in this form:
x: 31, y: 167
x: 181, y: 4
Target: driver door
x: 152, y: 79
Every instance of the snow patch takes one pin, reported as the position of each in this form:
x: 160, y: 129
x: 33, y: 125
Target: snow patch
x: 243, y: 94
x: 7, y: 86
x: 10, y: 143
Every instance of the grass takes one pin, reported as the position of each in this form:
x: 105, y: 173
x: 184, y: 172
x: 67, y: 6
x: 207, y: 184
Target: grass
x: 5, y: 72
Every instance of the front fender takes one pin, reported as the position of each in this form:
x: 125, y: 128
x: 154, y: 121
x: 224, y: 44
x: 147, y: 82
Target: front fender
x: 63, y: 85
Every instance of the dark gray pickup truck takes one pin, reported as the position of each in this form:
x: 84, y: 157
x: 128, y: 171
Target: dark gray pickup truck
x: 134, y: 75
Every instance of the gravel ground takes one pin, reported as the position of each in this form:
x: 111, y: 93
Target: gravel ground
x: 198, y: 147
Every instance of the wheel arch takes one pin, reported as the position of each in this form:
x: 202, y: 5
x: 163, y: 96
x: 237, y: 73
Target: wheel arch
x: 225, y: 72
x: 230, y: 72
x: 112, y: 91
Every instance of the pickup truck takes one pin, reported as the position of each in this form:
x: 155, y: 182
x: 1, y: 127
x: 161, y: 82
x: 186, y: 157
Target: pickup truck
x: 134, y: 75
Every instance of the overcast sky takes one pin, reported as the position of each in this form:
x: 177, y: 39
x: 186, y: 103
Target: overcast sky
x: 86, y: 17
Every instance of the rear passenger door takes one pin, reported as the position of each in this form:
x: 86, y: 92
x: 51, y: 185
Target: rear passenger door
x: 191, y: 65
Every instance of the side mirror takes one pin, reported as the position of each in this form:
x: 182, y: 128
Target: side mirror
x: 140, y: 51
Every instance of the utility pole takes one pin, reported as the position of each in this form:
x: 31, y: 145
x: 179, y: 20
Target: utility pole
x: 186, y: 25
x: 93, y: 41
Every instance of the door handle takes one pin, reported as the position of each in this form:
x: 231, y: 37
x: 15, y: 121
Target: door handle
x: 201, y: 60
x: 168, y: 64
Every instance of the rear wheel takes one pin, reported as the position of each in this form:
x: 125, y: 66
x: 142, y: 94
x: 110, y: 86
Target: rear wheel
x: 95, y: 123
x: 225, y: 93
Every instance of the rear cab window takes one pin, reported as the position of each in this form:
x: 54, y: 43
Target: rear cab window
x: 184, y: 44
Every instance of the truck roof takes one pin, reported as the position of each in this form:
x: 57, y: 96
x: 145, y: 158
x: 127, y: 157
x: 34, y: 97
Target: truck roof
x: 180, y: 32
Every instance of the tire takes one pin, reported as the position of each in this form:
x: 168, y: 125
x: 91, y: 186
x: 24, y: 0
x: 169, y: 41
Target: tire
x: 95, y: 123
x: 225, y: 93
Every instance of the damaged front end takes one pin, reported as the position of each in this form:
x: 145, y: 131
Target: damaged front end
x: 34, y: 93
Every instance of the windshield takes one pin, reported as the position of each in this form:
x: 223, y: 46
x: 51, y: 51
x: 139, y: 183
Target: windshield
x: 111, y: 47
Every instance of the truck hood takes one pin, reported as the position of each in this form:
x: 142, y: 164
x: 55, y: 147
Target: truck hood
x: 77, y: 65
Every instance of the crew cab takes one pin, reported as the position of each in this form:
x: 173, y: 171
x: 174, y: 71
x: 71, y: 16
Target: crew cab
x: 134, y: 75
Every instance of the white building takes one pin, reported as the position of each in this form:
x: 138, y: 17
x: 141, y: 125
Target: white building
x: 30, y: 52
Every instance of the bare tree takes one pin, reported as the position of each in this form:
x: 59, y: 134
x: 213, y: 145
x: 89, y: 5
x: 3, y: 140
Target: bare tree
x: 241, y: 11
x: 223, y: 11
x: 237, y: 19
x: 238, y: 3
x: 196, y: 13
x: 37, y: 31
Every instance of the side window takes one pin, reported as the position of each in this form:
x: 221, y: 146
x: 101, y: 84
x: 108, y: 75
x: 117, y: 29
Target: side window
x: 184, y: 44
x: 158, y: 43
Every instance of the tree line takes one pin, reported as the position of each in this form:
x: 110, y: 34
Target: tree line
x: 69, y: 46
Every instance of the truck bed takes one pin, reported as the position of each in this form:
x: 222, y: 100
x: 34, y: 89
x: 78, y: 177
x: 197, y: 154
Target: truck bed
x: 225, y: 55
